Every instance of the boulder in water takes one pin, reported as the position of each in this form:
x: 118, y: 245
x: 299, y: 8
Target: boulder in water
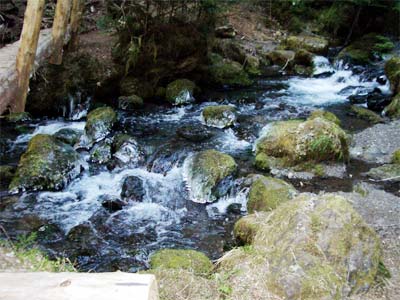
x: 281, y: 57
x: 314, y: 44
x: 194, y: 133
x: 132, y: 189
x: 180, y: 91
x: 111, y: 203
x: 393, y: 109
x: 101, y: 152
x: 220, y: 116
x: 392, y: 71
x: 127, y: 149
x: 190, y: 260
x: 47, y: 164
x: 294, y: 142
x: 313, y: 247
x: 68, y: 135
x: 266, y: 193
x: 130, y: 102
x: 377, y: 101
x: 204, y: 170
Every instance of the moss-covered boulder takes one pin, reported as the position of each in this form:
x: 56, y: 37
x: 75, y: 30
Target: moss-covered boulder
x: 304, y: 58
x: 313, y: 247
x: 68, y: 135
x: 295, y: 142
x: 281, y: 57
x: 135, y: 86
x: 227, y: 72
x: 180, y: 91
x: 252, y: 65
x: 127, y: 150
x: 220, y: 116
x: 47, y: 164
x: 366, y: 114
x: 314, y: 44
x: 246, y: 227
x: 325, y: 115
x: 392, y: 71
x: 388, y: 172
x: 179, y: 259
x: 101, y: 152
x: 98, y: 125
x: 393, y: 109
x: 266, y: 193
x: 130, y: 102
x: 204, y: 170
x: 364, y: 50
x: 231, y: 49
x: 396, y: 157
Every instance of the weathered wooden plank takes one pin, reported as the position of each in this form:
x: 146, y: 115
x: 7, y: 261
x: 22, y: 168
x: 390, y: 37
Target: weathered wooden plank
x: 60, y: 24
x: 77, y: 286
x: 27, y: 51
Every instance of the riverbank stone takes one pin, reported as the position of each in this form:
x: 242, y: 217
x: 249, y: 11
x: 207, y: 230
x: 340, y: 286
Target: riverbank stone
x: 47, y: 164
x: 220, y: 116
x: 227, y: 72
x: 314, y: 44
x: 180, y: 91
x: 392, y: 71
x: 393, y: 109
x: 366, y: 114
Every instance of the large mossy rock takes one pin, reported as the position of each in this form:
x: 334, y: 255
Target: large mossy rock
x: 314, y: 44
x: 294, y: 142
x: 204, y: 170
x: 281, y: 57
x: 190, y: 260
x: 325, y: 115
x: 127, y: 150
x: 364, y: 50
x: 313, y: 247
x: 180, y: 91
x: 47, y: 164
x: 366, y: 114
x: 227, y: 72
x: 130, y: 85
x: 393, y: 109
x: 392, y: 71
x: 231, y: 49
x: 98, y: 124
x: 266, y: 193
x: 220, y: 116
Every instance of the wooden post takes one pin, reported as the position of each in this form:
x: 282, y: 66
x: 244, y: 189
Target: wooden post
x: 59, y: 29
x: 27, y: 50
x: 76, y: 15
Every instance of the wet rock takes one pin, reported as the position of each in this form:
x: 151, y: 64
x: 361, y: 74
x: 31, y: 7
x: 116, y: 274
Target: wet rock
x: 392, y: 71
x: 127, y: 150
x: 227, y: 72
x: 246, y: 228
x: 180, y: 91
x: 194, y: 133
x: 325, y: 115
x: 266, y: 193
x: 365, y: 114
x: 68, y: 135
x: 294, y: 142
x: 101, y: 152
x: 388, y: 173
x: 47, y: 164
x: 234, y: 209
x: 204, y: 170
x: 377, y: 101
x: 252, y: 65
x: 225, y: 32
x: 181, y: 259
x: 18, y: 117
x: 130, y: 102
x: 281, y: 57
x: 98, y: 125
x: 220, y: 116
x: 303, y: 242
x: 111, y: 203
x: 304, y: 58
x: 133, y: 189
x: 324, y: 74
x: 231, y: 49
x: 84, y: 240
x: 314, y: 44
x: 7, y: 201
x: 377, y: 143
x: 393, y: 109
x: 271, y: 71
x: 381, y: 79
x: 357, y: 99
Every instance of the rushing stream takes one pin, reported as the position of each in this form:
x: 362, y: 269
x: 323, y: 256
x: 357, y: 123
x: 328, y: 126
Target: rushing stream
x: 73, y: 221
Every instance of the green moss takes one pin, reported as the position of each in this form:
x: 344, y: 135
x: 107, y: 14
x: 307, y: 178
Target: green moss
x: 396, y: 157
x: 245, y: 229
x: 190, y: 260
x: 266, y: 193
x: 366, y: 114
x: 220, y: 116
x: 359, y: 189
x: 319, y: 170
x: 313, y: 44
x: 392, y: 71
x: 252, y: 65
x: 130, y: 102
x: 100, y: 122
x: 18, y: 117
x: 325, y: 115
x: 177, y: 91
x: 385, y: 172
x: 228, y: 72
x: 393, y: 109
x: 68, y: 136
x: 265, y: 162
x: 281, y: 57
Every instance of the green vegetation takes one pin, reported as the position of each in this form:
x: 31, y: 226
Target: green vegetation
x: 366, y: 114
x: 396, y: 157
x: 326, y: 115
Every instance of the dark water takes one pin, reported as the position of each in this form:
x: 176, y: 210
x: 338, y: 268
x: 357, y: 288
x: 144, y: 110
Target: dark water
x: 73, y: 222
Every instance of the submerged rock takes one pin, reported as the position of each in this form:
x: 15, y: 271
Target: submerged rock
x: 266, y: 193
x: 194, y: 133
x: 392, y: 71
x: 98, y: 125
x: 204, y: 170
x: 313, y: 247
x: 127, y: 149
x: 294, y: 142
x: 133, y: 189
x: 314, y: 44
x: 130, y: 102
x: 393, y: 109
x: 190, y: 260
x: 68, y: 135
x: 47, y: 164
x: 111, y: 203
x: 101, y: 152
x: 180, y: 91
x: 220, y: 116
x: 366, y: 114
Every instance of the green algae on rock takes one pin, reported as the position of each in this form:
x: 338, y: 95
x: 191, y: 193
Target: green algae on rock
x: 47, y: 164
x: 266, y: 193
x: 130, y: 102
x: 366, y: 114
x: 180, y: 259
x: 325, y: 115
x: 314, y: 44
x: 68, y: 135
x: 313, y: 247
x: 220, y: 116
x: 393, y: 109
x: 204, y: 170
x: 180, y: 91
x: 392, y: 71
x: 99, y: 124
x: 18, y: 117
x: 246, y: 227
x: 227, y: 72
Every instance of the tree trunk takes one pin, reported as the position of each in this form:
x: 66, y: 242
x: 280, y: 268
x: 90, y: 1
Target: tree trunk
x: 59, y: 29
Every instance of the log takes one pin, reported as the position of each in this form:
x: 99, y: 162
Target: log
x: 60, y: 25
x: 27, y: 51
x: 76, y: 16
